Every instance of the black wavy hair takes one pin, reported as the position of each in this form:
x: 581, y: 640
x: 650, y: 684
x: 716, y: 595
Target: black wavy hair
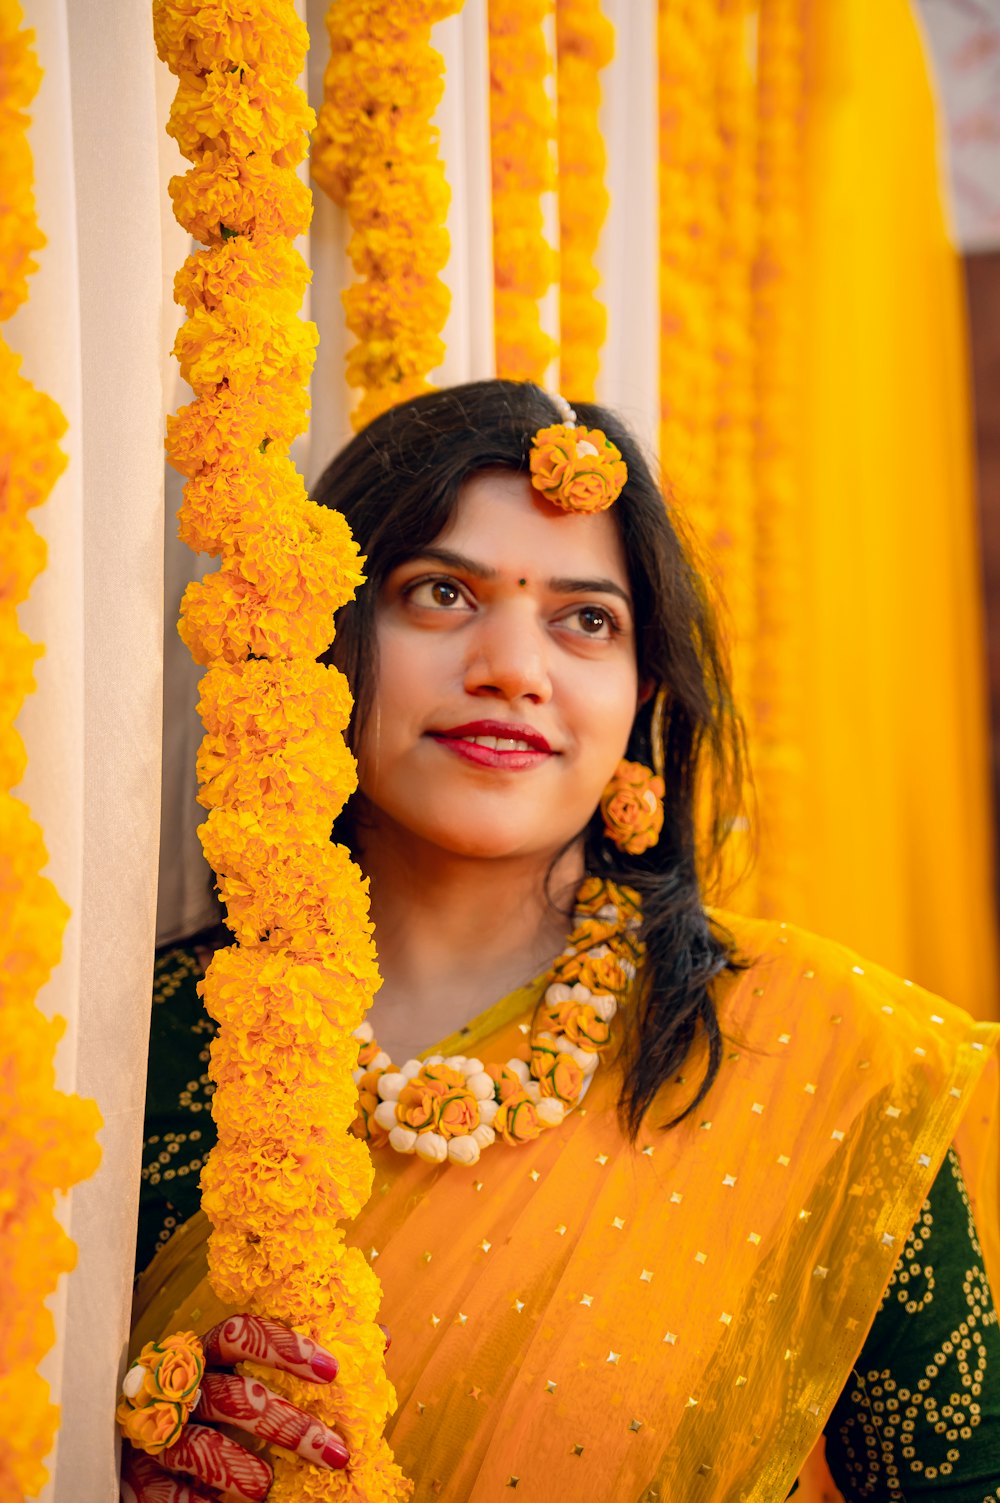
x: 398, y: 483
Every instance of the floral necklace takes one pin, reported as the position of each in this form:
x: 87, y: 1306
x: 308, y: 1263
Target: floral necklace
x: 451, y: 1109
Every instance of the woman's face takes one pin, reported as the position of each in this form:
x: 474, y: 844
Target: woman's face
x: 507, y: 680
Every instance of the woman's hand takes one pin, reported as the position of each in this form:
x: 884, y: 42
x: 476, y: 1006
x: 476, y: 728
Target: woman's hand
x: 215, y: 1461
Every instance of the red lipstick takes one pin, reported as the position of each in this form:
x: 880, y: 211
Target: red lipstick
x: 520, y: 747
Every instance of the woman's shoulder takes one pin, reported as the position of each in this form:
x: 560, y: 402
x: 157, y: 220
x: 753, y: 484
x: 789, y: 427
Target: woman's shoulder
x: 817, y: 979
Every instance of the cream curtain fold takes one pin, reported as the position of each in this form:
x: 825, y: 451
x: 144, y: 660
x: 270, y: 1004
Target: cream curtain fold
x: 91, y: 336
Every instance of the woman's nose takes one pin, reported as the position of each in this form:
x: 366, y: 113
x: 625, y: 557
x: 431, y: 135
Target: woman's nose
x: 508, y: 657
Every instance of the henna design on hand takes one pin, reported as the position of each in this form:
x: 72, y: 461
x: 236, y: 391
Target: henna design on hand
x: 213, y: 1458
x: 143, y: 1481
x: 252, y: 1406
x: 254, y: 1338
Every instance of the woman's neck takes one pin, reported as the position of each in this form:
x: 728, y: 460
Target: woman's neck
x: 455, y: 934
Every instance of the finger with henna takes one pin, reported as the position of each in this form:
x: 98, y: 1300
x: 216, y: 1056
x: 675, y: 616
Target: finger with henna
x: 143, y: 1481
x: 252, y: 1406
x: 254, y: 1338
x: 212, y: 1457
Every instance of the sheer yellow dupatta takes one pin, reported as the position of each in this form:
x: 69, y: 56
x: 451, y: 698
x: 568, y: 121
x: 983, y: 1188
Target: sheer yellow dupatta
x: 580, y: 1317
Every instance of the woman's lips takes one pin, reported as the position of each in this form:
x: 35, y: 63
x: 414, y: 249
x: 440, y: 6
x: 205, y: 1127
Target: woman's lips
x: 491, y: 743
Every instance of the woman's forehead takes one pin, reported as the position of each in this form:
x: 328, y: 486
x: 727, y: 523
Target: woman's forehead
x: 501, y: 521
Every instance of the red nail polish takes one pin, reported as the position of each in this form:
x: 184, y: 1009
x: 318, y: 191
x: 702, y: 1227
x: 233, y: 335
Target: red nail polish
x: 335, y: 1452
x: 385, y: 1332
x: 324, y: 1365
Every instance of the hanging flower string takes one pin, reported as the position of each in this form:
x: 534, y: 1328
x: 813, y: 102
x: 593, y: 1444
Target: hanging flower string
x: 47, y: 1139
x: 584, y: 46
x: 777, y: 684
x: 273, y: 766
x: 735, y: 480
x: 376, y: 153
x: 688, y: 153
x: 522, y: 132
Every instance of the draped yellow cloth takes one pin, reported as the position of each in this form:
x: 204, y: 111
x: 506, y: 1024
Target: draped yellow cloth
x: 898, y: 824
x: 581, y: 1317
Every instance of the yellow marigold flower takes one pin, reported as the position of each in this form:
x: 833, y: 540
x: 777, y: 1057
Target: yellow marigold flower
x: 247, y: 346
x: 244, y: 986
x: 195, y: 36
x: 20, y: 235
x: 13, y: 757
x: 298, y: 894
x: 21, y: 561
x: 373, y: 307
x: 223, y: 195
x: 223, y: 429
x: 238, y: 269
x: 391, y: 360
x: 17, y: 679
x: 243, y: 111
x: 31, y: 425
x: 218, y: 499
x: 375, y: 152
x: 285, y: 574
x: 273, y: 739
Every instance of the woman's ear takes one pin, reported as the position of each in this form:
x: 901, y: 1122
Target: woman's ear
x: 646, y: 691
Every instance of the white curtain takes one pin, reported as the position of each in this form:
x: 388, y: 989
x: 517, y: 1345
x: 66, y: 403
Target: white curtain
x: 91, y: 336
x: 96, y: 335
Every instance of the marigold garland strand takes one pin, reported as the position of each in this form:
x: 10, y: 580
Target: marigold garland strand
x: 734, y: 483
x: 689, y: 233
x: 273, y: 766
x: 376, y: 153
x: 584, y: 45
x: 47, y: 1139
x: 779, y: 757
x: 522, y: 132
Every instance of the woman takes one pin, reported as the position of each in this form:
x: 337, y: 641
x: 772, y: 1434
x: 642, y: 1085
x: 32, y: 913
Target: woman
x: 752, y: 1227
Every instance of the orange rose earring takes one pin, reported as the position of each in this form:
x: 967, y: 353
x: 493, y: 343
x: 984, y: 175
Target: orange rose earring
x: 632, y: 803
x: 632, y: 807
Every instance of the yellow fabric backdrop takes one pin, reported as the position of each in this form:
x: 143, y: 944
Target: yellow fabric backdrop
x: 897, y: 835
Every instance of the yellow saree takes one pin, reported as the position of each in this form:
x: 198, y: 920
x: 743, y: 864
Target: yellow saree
x: 583, y: 1318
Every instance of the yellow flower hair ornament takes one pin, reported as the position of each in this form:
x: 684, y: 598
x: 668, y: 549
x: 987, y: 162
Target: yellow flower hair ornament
x: 578, y: 469
x: 160, y: 1390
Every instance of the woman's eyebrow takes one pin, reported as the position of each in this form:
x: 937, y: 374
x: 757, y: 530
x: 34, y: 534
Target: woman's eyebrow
x: 459, y: 561
x: 588, y: 587
x: 562, y: 586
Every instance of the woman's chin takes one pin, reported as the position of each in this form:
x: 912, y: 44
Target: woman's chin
x: 488, y: 839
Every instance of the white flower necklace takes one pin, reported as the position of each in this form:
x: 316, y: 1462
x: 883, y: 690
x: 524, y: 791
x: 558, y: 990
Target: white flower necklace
x: 450, y: 1109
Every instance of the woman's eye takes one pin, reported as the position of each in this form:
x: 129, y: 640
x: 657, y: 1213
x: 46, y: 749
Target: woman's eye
x: 435, y: 592
x: 594, y: 621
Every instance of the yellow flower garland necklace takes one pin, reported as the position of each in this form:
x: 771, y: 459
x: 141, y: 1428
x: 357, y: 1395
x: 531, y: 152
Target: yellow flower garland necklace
x: 451, y: 1109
